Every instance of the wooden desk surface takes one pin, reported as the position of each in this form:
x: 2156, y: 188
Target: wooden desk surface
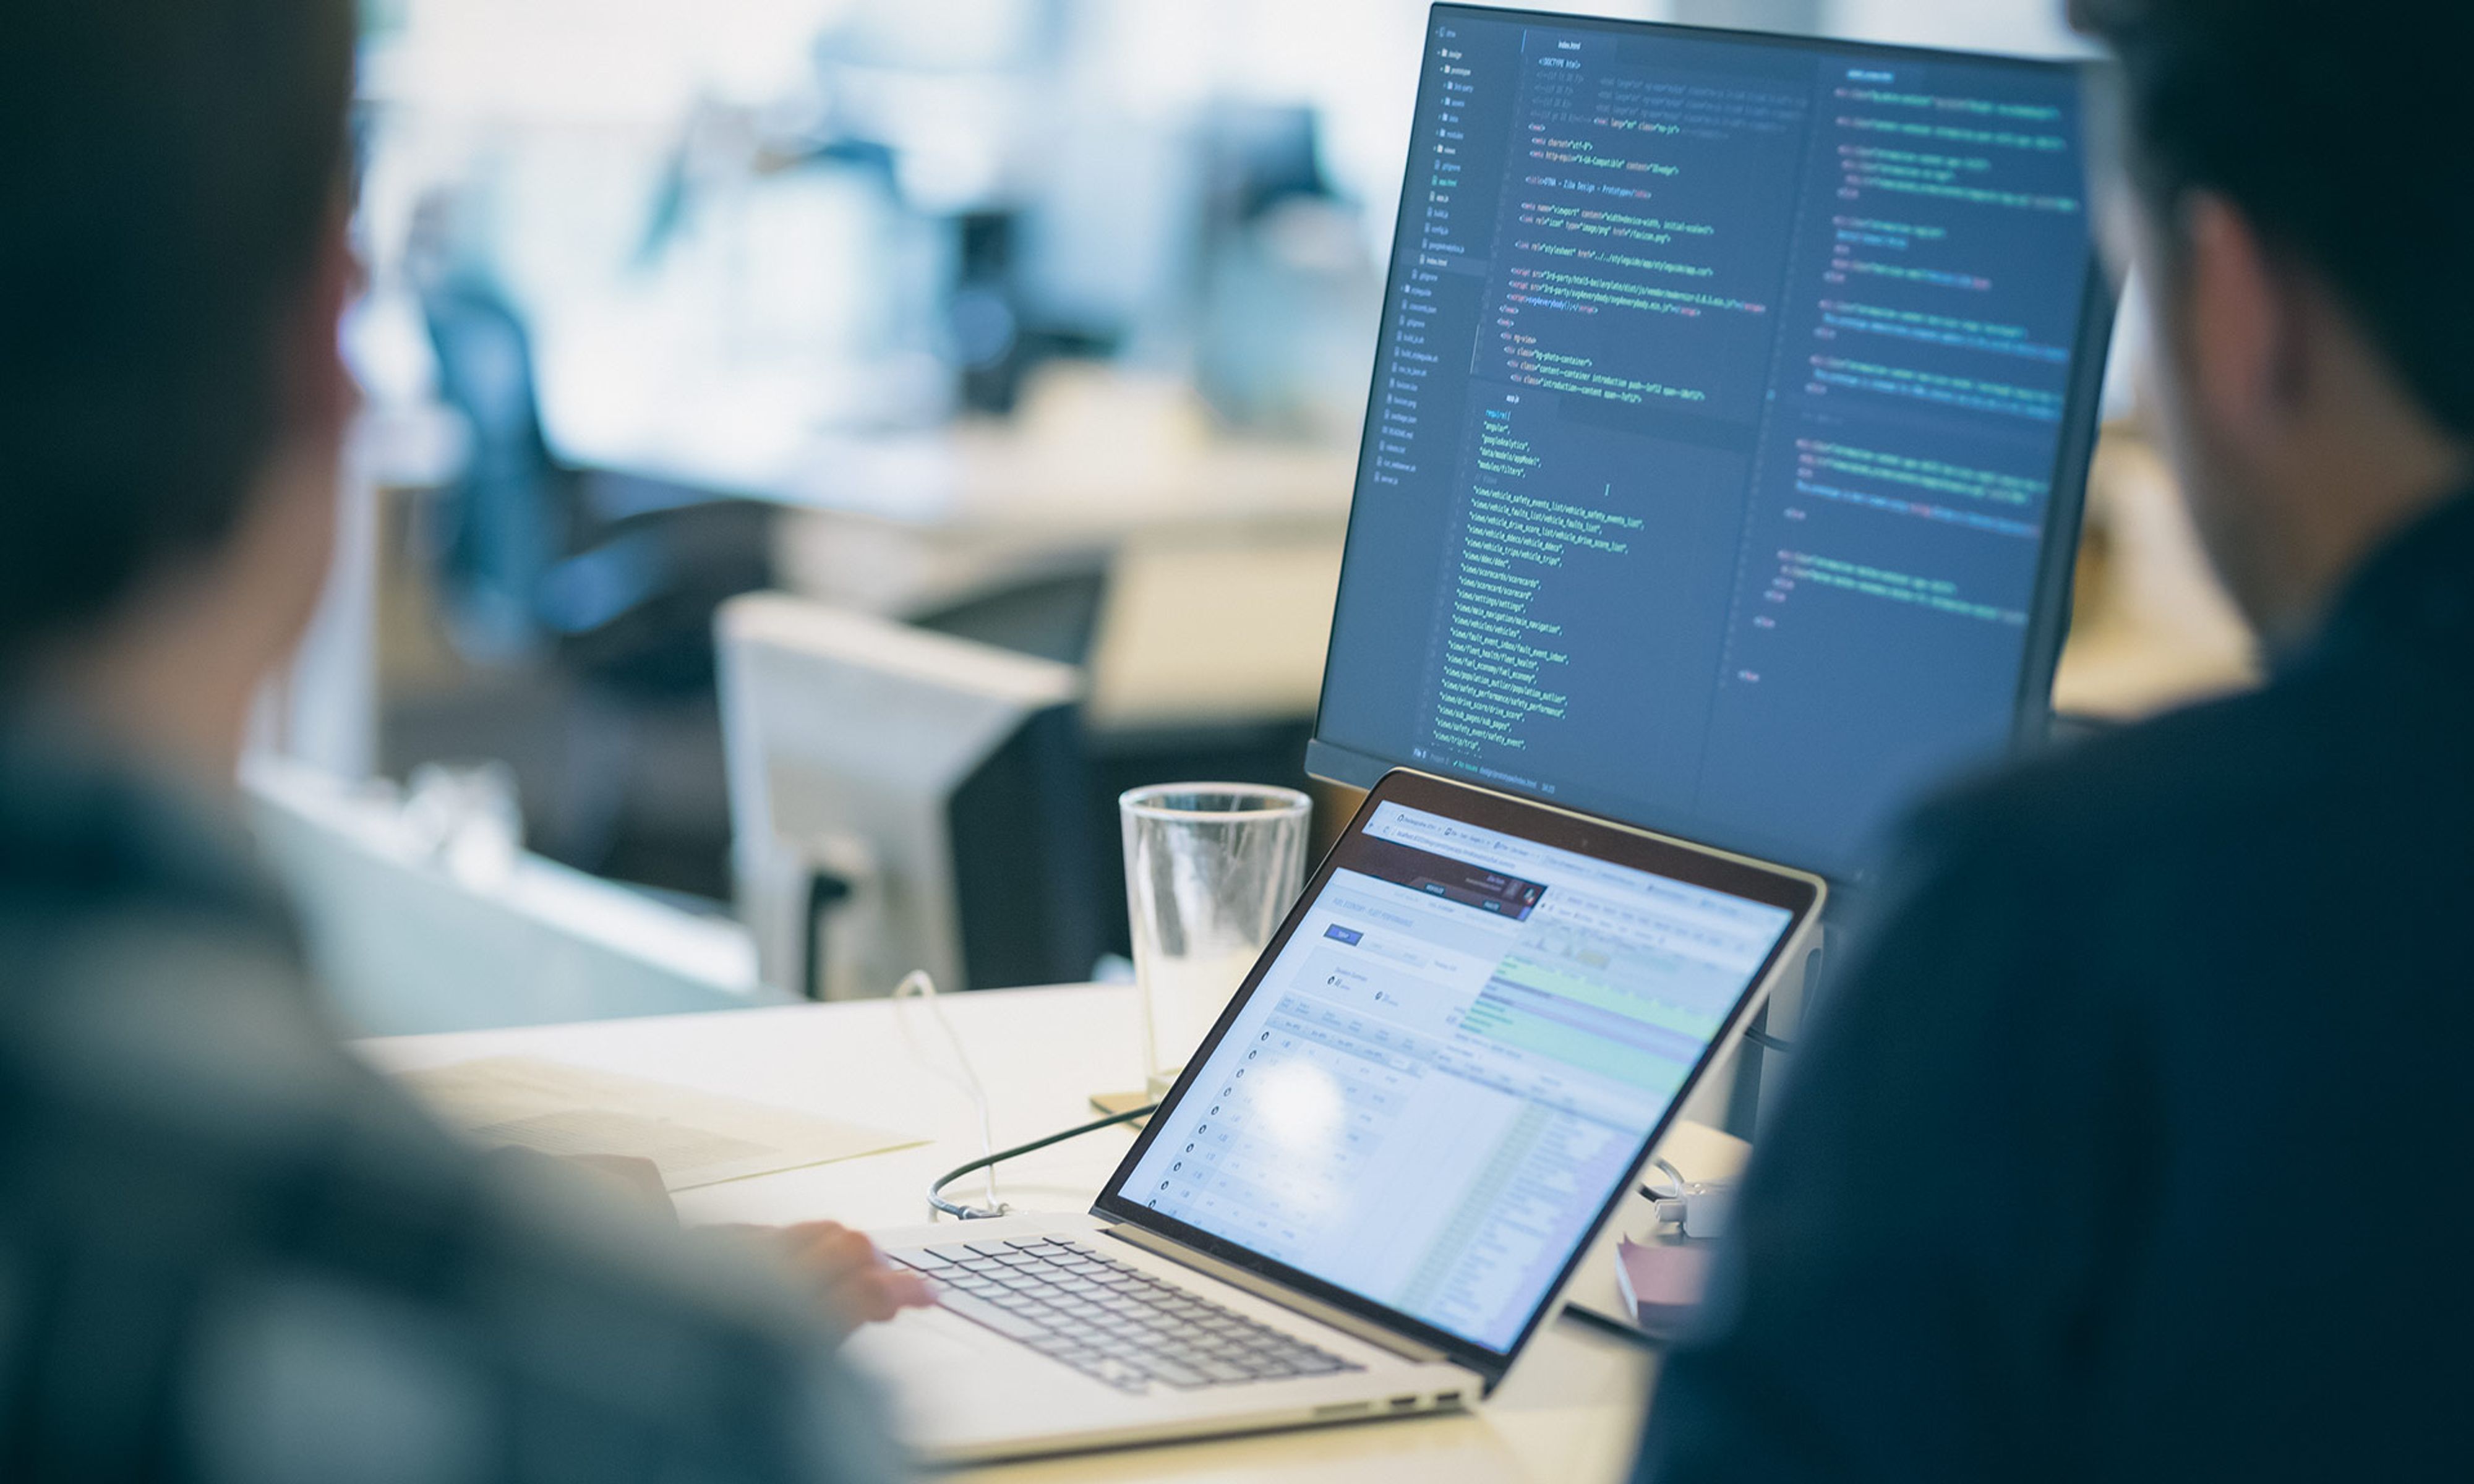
x: 1567, y: 1414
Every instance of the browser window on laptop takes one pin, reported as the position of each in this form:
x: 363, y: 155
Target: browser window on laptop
x: 1450, y: 1066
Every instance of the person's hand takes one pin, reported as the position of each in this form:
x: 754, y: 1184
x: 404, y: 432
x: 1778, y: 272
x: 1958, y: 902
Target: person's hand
x: 858, y: 1285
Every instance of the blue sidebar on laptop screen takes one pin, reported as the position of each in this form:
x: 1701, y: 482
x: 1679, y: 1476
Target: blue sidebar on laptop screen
x: 1732, y: 398
x: 1451, y: 1067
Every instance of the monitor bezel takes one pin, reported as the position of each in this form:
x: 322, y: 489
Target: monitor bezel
x: 2049, y: 610
x: 1801, y: 894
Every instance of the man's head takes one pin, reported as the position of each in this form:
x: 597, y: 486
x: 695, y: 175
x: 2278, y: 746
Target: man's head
x: 2302, y: 204
x: 172, y: 263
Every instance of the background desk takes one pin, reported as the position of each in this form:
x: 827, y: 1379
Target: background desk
x: 899, y: 520
x: 1569, y: 1412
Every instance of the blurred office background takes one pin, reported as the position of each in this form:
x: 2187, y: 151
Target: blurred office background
x: 1037, y: 331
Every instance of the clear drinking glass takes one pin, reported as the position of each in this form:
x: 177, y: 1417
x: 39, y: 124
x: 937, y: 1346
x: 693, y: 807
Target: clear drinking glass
x: 1211, y: 870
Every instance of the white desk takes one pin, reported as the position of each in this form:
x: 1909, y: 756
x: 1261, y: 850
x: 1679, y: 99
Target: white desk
x: 1093, y: 453
x: 902, y: 521
x: 1568, y: 1413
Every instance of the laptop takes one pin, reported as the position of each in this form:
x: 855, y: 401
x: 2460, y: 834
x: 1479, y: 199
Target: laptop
x: 1373, y: 1180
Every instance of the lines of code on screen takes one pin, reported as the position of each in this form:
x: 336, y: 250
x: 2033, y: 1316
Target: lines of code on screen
x: 1714, y: 425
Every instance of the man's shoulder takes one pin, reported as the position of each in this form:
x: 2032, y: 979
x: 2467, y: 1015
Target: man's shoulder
x: 2180, y: 784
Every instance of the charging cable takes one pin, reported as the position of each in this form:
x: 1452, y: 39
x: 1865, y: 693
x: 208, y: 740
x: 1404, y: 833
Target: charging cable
x: 919, y: 984
x: 996, y: 1207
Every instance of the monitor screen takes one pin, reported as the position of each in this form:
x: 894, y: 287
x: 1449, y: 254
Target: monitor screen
x: 1734, y: 396
x: 1451, y: 1067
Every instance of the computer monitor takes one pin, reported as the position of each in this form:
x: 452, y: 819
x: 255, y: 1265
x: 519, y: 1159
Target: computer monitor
x: 903, y: 799
x: 1729, y: 422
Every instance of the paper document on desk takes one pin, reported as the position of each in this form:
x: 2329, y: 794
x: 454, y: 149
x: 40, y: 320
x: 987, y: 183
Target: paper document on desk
x: 698, y: 1138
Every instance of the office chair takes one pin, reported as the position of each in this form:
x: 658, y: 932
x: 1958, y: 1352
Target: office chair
x: 610, y: 581
x: 620, y: 573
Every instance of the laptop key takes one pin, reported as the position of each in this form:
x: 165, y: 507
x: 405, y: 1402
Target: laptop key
x: 1116, y: 1373
x: 1181, y: 1376
x: 977, y: 1310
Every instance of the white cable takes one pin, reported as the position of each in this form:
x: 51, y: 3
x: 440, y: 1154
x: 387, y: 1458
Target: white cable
x: 920, y: 985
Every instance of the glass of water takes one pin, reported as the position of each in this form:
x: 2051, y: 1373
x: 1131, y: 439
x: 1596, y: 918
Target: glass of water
x: 1211, y: 870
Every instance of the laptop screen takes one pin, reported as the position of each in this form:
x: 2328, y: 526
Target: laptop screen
x: 1452, y: 1067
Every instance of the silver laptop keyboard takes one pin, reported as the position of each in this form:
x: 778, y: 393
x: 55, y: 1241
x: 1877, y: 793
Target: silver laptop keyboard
x: 1107, y: 1320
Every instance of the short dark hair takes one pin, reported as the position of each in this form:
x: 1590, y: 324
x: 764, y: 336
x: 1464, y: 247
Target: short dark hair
x: 2341, y: 131
x: 170, y: 167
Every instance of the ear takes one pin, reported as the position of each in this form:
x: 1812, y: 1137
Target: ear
x: 2244, y: 335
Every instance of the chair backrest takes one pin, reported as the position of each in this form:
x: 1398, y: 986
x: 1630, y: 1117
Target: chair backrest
x: 910, y: 767
x: 499, y: 523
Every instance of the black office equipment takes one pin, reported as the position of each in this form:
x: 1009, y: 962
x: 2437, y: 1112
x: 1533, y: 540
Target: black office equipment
x: 1729, y: 424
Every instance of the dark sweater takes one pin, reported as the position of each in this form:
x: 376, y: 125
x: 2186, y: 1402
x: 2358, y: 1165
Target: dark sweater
x: 2134, y: 1145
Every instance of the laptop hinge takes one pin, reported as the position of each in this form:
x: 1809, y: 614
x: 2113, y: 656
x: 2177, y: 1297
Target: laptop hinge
x: 1290, y: 1299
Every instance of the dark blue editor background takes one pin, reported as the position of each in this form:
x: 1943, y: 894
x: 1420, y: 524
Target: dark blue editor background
x: 1725, y: 386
